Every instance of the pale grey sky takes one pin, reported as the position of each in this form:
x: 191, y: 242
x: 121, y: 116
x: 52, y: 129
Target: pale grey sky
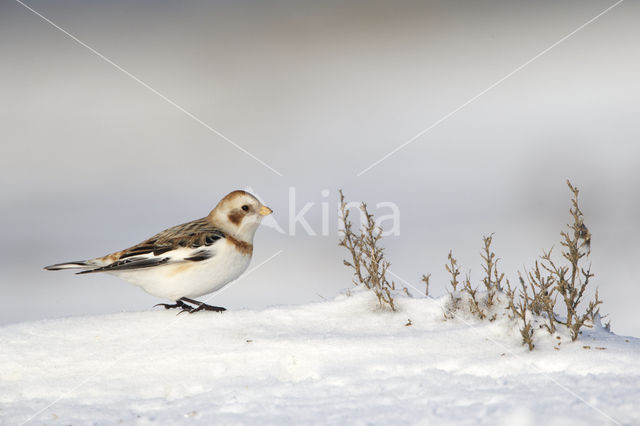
x: 92, y: 161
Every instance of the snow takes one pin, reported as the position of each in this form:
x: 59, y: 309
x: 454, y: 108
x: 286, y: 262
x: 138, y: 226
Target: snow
x: 333, y: 362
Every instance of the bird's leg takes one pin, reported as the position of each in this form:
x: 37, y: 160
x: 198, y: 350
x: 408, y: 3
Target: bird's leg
x: 179, y: 304
x: 200, y: 306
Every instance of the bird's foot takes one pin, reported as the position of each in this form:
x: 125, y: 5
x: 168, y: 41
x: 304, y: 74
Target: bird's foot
x: 203, y: 307
x: 199, y: 307
x: 178, y: 304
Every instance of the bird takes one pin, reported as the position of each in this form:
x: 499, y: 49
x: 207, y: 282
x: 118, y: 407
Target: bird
x: 190, y: 260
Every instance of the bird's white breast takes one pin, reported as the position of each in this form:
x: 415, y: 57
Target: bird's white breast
x: 191, y: 278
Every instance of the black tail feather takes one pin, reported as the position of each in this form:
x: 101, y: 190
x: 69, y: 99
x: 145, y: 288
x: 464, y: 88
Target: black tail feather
x: 68, y: 265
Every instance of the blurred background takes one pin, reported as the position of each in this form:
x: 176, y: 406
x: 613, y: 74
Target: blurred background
x: 92, y: 161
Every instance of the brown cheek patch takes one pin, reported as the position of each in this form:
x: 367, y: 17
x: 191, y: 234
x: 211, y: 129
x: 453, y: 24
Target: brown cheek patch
x: 236, y: 216
x: 243, y: 247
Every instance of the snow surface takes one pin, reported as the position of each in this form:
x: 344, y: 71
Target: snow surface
x: 334, y: 362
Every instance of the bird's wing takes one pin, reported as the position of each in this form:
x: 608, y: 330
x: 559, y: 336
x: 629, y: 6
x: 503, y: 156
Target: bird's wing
x: 130, y: 263
x: 196, y: 234
x: 190, y: 242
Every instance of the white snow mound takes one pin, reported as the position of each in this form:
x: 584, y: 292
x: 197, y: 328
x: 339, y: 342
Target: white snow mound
x: 335, y: 362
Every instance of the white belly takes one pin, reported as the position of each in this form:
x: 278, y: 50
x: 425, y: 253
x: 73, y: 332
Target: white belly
x: 190, y: 279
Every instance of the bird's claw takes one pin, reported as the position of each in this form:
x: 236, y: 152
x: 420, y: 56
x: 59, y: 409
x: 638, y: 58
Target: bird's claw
x: 202, y: 307
x: 167, y: 305
x: 176, y: 305
x: 180, y: 303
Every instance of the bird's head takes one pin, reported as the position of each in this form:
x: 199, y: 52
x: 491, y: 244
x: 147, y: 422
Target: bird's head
x: 239, y: 214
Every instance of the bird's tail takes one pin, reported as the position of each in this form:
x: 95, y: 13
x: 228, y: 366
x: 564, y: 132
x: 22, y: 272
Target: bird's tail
x: 80, y: 264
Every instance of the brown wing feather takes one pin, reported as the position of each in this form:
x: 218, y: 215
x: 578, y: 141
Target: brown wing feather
x: 192, y: 234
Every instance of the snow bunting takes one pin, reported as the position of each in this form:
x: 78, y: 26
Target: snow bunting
x: 188, y: 260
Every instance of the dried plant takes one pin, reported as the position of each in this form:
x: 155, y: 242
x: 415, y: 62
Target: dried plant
x: 350, y: 241
x: 367, y: 256
x: 492, y: 278
x: 519, y: 312
x: 477, y: 305
x: 474, y: 306
x: 571, y: 281
x: 568, y: 281
x: 454, y: 297
x: 543, y: 298
x: 452, y: 268
x: 541, y: 288
x: 425, y: 279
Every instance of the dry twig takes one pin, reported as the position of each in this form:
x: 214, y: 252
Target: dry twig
x: 367, y: 255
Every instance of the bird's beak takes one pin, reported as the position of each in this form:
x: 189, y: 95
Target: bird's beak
x: 264, y: 211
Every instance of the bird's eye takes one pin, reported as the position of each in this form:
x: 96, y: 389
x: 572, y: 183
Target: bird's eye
x: 245, y: 208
